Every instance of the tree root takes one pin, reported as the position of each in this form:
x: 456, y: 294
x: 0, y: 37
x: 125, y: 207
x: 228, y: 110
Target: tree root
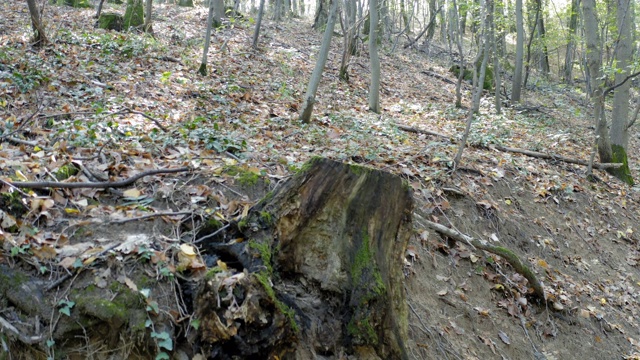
x: 507, y: 254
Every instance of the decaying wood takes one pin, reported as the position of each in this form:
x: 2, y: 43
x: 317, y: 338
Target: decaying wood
x: 421, y: 131
x: 92, y: 185
x: 507, y: 254
x: 601, y: 166
x: 326, y: 251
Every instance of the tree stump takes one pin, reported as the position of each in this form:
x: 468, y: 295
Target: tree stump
x: 319, y: 272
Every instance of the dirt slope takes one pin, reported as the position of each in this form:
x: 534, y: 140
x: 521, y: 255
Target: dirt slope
x: 239, y: 124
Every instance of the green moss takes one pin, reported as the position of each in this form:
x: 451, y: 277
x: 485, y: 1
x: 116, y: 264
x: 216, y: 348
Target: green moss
x: 263, y: 279
x: 111, y: 21
x: 66, y: 171
x: 242, y: 224
x: 368, y: 285
x: 359, y: 169
x: 364, y: 264
x: 248, y: 178
x: 266, y: 217
x: 211, y: 273
x: 468, y: 75
x: 265, y: 254
x: 134, y: 15
x: 362, y: 331
x: 623, y: 173
x: 213, y: 224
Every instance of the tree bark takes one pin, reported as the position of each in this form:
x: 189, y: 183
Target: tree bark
x: 39, y: 36
x: 374, y: 87
x: 571, y: 42
x: 594, y: 63
x: 314, y: 82
x: 619, y: 131
x: 517, y: 73
x: 256, y: 33
x: 322, y: 271
x: 207, y: 39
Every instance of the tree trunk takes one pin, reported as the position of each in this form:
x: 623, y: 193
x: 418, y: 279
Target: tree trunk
x: 134, y: 14
x: 571, y: 42
x: 494, y: 50
x: 39, y: 36
x: 207, y: 39
x: 218, y: 12
x: 594, y: 63
x: 321, y: 273
x: 320, y: 19
x: 543, y: 52
x: 349, y: 45
x: 148, y: 23
x: 517, y: 73
x: 374, y: 87
x: 256, y: 33
x: 620, y: 114
x: 314, y: 82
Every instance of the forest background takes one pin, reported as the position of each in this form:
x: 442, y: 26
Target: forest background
x: 512, y: 122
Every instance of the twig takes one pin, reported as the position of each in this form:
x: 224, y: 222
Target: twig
x: 69, y: 275
x: 156, y: 121
x: 148, y: 216
x: 25, y: 339
x: 212, y: 234
x: 14, y: 187
x: 94, y: 185
x: 24, y: 123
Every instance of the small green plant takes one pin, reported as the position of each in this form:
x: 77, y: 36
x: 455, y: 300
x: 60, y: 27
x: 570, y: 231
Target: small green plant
x: 65, y: 306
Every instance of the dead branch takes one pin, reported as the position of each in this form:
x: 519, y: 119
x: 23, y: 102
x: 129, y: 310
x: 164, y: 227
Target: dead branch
x: 602, y: 166
x: 149, y: 216
x: 93, y: 185
x: 505, y: 253
x: 156, y: 121
x: 421, y: 131
x: 438, y: 76
x: 25, y: 339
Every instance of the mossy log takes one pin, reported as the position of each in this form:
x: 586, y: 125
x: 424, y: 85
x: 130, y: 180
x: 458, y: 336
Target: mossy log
x: 319, y: 271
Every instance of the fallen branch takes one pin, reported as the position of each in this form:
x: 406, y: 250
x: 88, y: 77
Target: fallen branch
x: 156, y: 121
x: 93, y: 185
x: 25, y: 339
x: 602, y: 166
x: 505, y: 253
x: 149, y: 216
x: 421, y: 131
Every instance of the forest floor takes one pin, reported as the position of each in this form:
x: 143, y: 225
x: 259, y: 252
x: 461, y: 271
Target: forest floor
x: 72, y: 111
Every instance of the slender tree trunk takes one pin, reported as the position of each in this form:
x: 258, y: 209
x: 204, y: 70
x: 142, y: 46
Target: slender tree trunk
x: 571, y: 42
x: 349, y: 30
x: 39, y: 36
x: 594, y: 62
x: 494, y: 49
x: 374, y: 88
x: 544, y: 53
x: 314, y: 82
x: 517, y: 74
x: 218, y: 12
x: 148, y: 22
x: 256, y: 33
x: 620, y: 114
x: 99, y: 9
x: 458, y: 39
x: 207, y: 39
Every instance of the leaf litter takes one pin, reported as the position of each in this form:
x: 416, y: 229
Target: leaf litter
x: 104, y: 106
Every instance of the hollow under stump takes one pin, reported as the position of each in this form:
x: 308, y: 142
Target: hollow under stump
x: 318, y: 273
